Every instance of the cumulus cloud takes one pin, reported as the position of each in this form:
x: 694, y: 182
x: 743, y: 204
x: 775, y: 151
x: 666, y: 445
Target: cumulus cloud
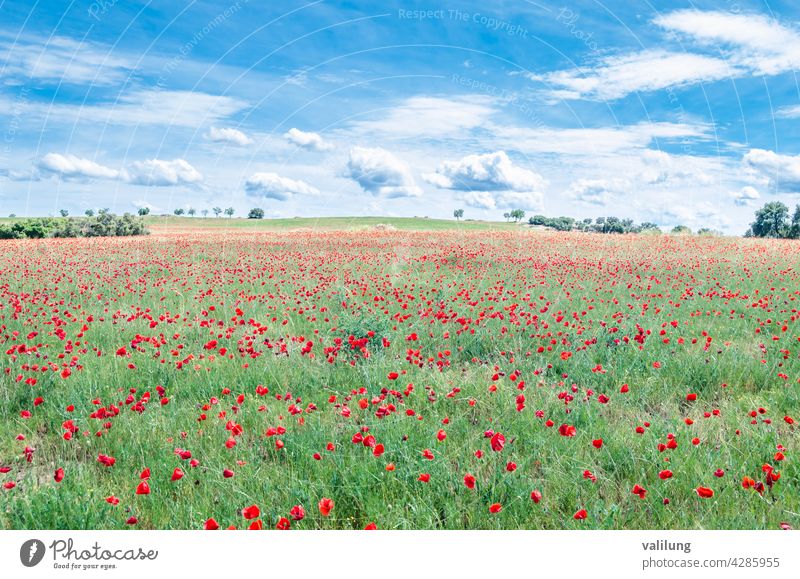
x: 661, y: 168
x: 72, y: 167
x: 490, y: 181
x: 160, y: 173
x: 273, y: 186
x: 782, y: 172
x: 310, y: 141
x: 594, y: 191
x: 746, y: 196
x: 379, y: 172
x: 230, y: 136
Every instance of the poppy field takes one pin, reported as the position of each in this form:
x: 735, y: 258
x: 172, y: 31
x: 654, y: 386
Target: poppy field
x: 399, y: 380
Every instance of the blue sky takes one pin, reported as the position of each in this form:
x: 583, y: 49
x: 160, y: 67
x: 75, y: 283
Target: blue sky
x: 672, y: 112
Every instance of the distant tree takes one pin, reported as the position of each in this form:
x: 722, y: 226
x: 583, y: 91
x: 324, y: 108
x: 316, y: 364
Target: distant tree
x: 256, y: 213
x: 772, y: 220
x: 458, y: 214
x: 794, y: 228
x: 204, y: 212
x: 708, y: 232
x: 12, y: 215
x: 681, y: 230
x: 647, y: 225
x: 179, y: 211
x: 191, y: 211
x: 103, y: 211
x: 517, y: 215
x: 89, y: 212
x: 216, y: 211
x: 230, y: 211
x: 507, y: 216
x: 143, y: 211
x: 64, y: 213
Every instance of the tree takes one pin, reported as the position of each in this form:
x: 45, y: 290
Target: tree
x: 507, y: 216
x: 230, y: 211
x: 103, y: 211
x: 143, y: 211
x: 204, y: 212
x: 458, y: 214
x: 772, y: 220
x: 681, y: 230
x: 516, y: 214
x: 179, y: 211
x: 64, y: 213
x: 794, y: 228
x: 89, y: 212
x: 256, y: 213
x: 217, y: 211
x: 191, y: 211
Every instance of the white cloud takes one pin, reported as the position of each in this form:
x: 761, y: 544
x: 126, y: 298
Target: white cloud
x: 160, y: 173
x: 594, y: 191
x: 311, y: 141
x: 381, y: 173
x: 593, y: 141
x: 781, y: 171
x: 746, y: 196
x: 145, y: 107
x: 430, y: 117
x: 487, y: 172
x: 753, y: 41
x: 490, y: 180
x: 72, y: 167
x: 661, y: 168
x: 273, y: 186
x: 61, y: 60
x: 228, y: 135
x: 153, y: 172
x: 617, y: 76
x: 743, y: 43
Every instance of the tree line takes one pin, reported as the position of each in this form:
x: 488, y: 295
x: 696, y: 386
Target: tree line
x: 103, y: 224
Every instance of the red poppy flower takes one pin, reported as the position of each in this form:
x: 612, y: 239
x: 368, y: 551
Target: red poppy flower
x: 210, y: 525
x: 704, y: 492
x: 536, y: 496
x: 325, y: 507
x: 143, y: 488
x: 251, y: 512
x: 297, y: 513
x: 497, y: 442
x: 469, y: 481
x: 567, y: 430
x: 580, y: 515
x: 59, y: 475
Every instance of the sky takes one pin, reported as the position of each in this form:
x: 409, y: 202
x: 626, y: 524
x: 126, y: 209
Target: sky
x: 670, y: 112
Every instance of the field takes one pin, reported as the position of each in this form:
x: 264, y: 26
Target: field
x: 481, y: 376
